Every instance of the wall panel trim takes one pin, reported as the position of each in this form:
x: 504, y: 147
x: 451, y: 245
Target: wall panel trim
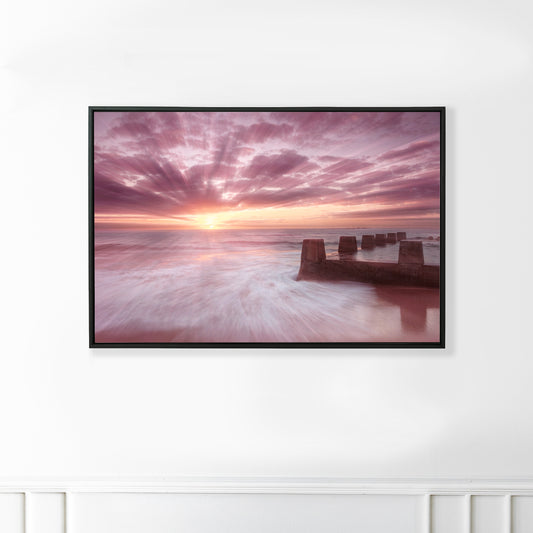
x: 273, y: 485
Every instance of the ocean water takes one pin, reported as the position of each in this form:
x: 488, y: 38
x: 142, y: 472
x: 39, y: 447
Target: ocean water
x: 240, y: 286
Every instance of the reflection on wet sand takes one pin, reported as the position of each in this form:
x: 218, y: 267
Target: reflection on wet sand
x: 413, y: 304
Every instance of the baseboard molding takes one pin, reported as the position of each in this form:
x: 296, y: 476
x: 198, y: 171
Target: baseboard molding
x: 272, y: 485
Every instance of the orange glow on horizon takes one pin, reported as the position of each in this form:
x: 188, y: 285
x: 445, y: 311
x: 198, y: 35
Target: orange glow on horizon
x: 318, y: 216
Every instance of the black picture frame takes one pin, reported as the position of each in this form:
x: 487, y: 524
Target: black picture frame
x: 440, y: 343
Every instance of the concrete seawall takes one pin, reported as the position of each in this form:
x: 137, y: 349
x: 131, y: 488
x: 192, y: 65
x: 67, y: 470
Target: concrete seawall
x: 391, y: 238
x: 409, y: 270
x: 368, y: 242
x: 347, y: 245
x: 381, y: 239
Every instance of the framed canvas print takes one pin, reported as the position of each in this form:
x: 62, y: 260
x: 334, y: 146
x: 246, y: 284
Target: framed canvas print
x: 266, y: 227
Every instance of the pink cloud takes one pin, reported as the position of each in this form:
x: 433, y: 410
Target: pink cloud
x: 429, y: 147
x: 275, y: 165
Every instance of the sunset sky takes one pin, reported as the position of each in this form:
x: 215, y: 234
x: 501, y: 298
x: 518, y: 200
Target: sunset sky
x: 216, y: 170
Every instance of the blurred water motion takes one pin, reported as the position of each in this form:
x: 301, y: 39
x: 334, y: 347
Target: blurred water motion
x: 240, y: 286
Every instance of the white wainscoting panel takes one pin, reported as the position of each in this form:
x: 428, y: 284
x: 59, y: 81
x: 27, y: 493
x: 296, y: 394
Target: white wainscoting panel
x: 265, y: 505
x: 46, y: 512
x: 522, y: 514
x: 251, y: 513
x: 488, y: 514
x: 12, y: 513
x: 448, y: 514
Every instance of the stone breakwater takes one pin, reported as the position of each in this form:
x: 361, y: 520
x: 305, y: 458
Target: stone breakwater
x: 409, y: 270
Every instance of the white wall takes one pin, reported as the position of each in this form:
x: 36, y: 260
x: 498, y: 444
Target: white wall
x: 66, y: 410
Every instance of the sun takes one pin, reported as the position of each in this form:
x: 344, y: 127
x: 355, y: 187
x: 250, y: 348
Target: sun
x: 210, y: 222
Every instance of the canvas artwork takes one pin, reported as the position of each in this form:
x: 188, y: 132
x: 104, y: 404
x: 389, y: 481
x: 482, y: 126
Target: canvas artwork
x: 266, y: 227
